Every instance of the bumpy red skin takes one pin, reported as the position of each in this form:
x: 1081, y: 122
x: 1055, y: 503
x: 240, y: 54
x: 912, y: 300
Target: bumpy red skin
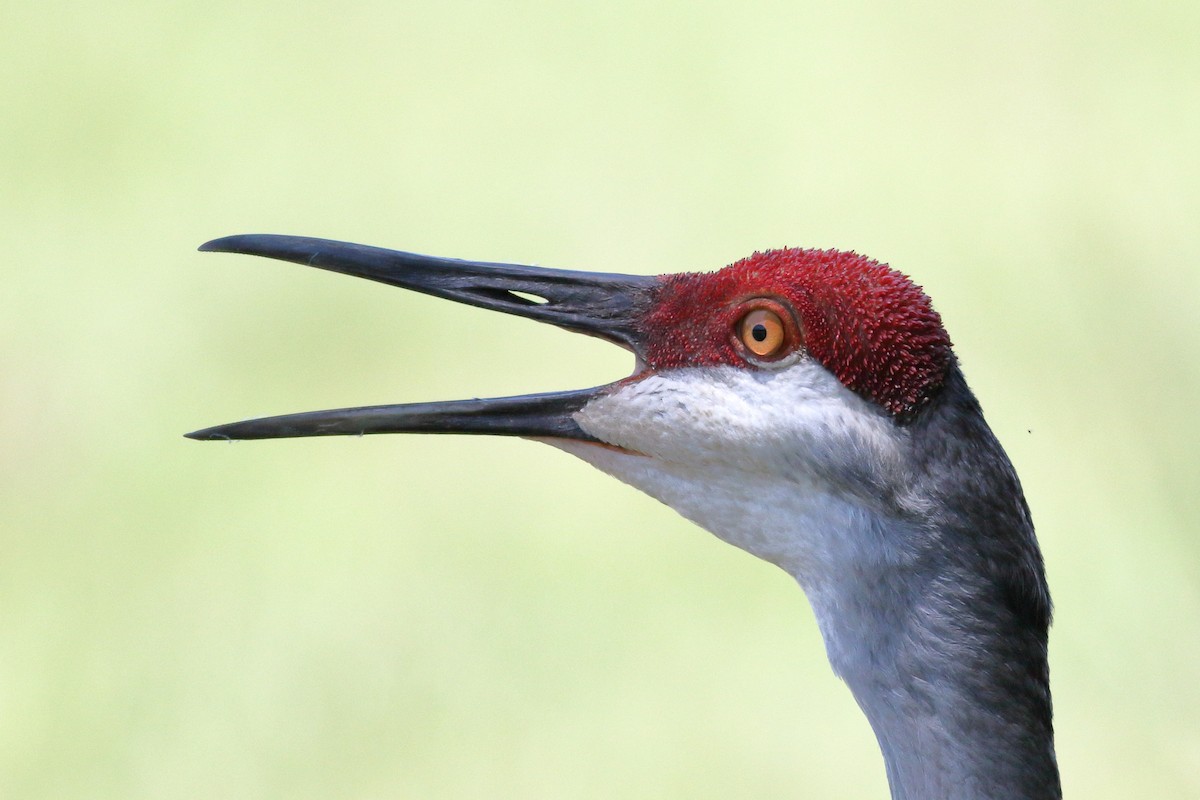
x: 868, y: 324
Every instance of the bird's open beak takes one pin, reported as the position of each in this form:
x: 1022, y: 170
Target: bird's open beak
x: 598, y: 304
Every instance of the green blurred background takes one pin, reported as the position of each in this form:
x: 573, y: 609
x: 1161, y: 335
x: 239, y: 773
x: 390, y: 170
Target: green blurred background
x: 454, y: 617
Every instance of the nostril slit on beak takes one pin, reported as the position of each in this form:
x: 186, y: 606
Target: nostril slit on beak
x: 508, y: 297
x: 527, y: 298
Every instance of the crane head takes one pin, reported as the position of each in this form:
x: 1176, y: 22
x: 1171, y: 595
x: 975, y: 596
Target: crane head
x: 787, y: 366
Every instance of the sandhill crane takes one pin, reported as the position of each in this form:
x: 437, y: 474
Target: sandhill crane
x: 805, y: 406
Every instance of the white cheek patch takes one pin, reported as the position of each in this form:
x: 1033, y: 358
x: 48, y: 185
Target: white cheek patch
x: 768, y: 461
x: 782, y: 422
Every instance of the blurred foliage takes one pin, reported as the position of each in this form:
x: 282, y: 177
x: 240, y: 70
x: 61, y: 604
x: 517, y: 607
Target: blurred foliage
x: 462, y: 617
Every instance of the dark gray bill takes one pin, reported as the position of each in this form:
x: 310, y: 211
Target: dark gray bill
x: 598, y: 304
x: 528, y: 415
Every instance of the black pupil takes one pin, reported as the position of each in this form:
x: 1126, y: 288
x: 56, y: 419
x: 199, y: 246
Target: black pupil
x: 759, y: 332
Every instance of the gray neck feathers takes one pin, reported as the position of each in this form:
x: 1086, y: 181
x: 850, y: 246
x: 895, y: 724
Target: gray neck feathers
x: 946, y: 652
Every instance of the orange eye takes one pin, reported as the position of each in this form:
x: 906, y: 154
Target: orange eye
x: 762, y: 332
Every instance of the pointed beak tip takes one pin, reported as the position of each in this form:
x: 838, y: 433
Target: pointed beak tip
x: 209, y: 435
x: 223, y: 244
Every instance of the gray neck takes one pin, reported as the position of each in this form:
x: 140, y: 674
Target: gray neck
x: 911, y: 539
x: 944, y: 643
x: 959, y: 701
